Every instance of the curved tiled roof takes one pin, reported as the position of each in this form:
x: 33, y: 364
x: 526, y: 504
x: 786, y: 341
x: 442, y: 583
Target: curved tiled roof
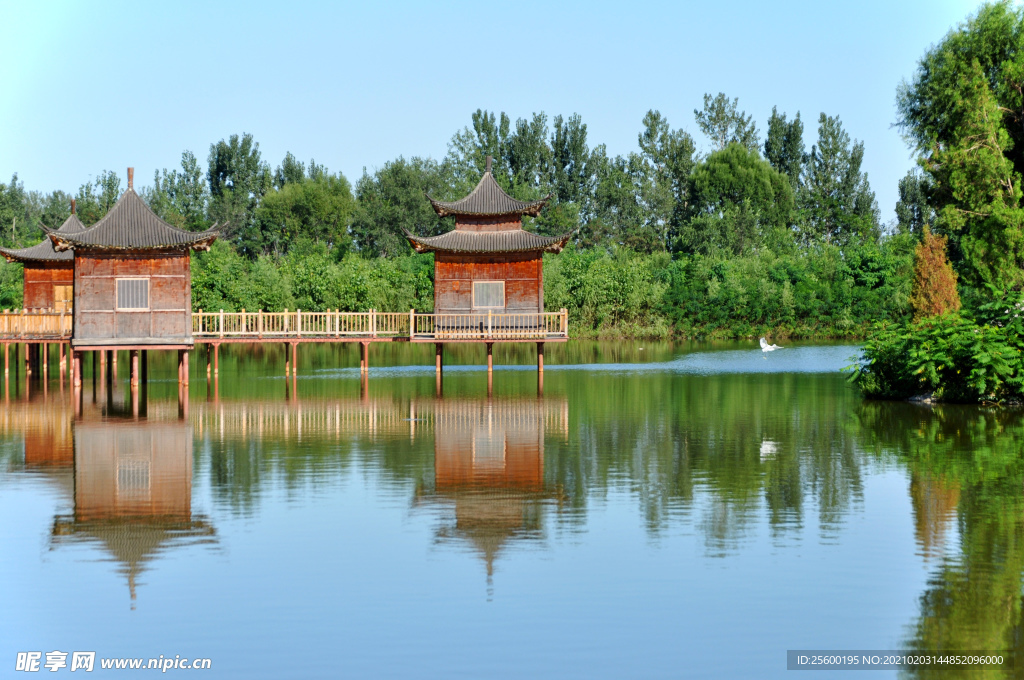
x: 488, y: 199
x: 513, y: 241
x: 132, y: 225
x: 44, y: 250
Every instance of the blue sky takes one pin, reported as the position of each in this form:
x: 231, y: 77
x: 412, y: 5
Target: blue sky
x: 94, y: 86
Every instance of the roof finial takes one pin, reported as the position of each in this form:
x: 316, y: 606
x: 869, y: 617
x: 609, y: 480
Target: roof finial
x: 72, y: 206
x: 488, y: 168
x: 131, y: 177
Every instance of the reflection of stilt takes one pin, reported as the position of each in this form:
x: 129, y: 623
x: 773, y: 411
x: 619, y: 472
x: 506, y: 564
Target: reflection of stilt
x: 438, y: 366
x: 76, y: 394
x: 182, y: 402
x: 490, y: 369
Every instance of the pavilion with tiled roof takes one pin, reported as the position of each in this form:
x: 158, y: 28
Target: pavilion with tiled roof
x: 48, y: 273
x: 488, y: 263
x: 132, y: 281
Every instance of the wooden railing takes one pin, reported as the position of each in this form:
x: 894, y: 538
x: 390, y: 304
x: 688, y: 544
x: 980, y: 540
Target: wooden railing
x: 325, y: 325
x: 374, y: 324
x: 491, y: 326
x: 18, y: 324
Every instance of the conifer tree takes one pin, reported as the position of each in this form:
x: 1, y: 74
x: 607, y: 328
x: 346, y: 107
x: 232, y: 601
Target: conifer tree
x: 934, y: 292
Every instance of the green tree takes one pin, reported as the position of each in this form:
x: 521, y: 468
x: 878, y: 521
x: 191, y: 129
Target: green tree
x: 392, y: 201
x: 181, y: 196
x: 723, y: 123
x: 317, y: 209
x: 238, y: 179
x: 836, y: 201
x: 96, y: 198
x: 737, y: 196
x: 963, y: 112
x: 913, y: 211
x: 784, y: 146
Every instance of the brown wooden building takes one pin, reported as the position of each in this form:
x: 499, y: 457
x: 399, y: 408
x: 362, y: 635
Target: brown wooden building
x: 132, y: 285
x: 488, y: 262
x: 48, y: 273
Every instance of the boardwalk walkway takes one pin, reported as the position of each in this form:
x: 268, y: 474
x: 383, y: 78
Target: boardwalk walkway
x: 214, y: 327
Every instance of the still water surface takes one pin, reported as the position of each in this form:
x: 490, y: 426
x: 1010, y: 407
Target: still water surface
x: 664, y: 512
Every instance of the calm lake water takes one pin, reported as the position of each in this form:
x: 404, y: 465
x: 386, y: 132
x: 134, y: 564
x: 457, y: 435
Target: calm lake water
x: 658, y: 512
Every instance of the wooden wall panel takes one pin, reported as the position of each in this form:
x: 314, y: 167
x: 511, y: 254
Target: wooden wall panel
x: 95, y: 325
x: 172, y: 324
x: 134, y: 324
x: 39, y: 280
x: 169, y: 318
x: 521, y: 272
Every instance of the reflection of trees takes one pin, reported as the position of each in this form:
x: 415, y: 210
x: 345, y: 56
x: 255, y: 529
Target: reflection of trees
x: 672, y: 440
x: 971, y: 458
x: 719, y: 448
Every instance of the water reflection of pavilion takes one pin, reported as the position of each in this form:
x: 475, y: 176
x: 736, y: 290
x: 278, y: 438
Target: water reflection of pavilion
x: 133, y: 492
x: 489, y: 471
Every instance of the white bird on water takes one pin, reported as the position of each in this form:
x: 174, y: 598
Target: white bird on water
x: 765, y: 347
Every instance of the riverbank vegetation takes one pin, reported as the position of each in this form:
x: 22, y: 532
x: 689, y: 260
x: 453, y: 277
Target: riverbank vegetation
x: 962, y: 112
x: 735, y: 234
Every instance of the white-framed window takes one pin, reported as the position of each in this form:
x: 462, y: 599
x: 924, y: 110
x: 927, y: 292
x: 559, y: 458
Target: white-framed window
x: 133, y: 293
x: 488, y: 294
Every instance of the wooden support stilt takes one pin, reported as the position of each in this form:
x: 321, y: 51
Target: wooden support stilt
x: 287, y: 361
x: 134, y: 354
x: 76, y: 362
x: 144, y: 368
x: 135, y: 396
x: 28, y: 360
x: 113, y: 365
x: 540, y: 357
x: 295, y: 359
x: 216, y: 358
x: 490, y: 357
x: 363, y: 367
x: 181, y: 378
x: 437, y: 357
x: 184, y: 367
x: 46, y: 360
x: 209, y: 362
x: 7, y: 366
x: 62, y: 366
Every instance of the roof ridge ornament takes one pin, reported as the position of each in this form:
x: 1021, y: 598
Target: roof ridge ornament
x: 131, y: 179
x: 488, y: 167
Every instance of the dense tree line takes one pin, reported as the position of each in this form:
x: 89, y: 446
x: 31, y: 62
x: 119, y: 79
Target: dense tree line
x: 742, y: 235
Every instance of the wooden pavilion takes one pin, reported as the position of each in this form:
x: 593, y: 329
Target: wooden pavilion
x: 48, y: 273
x: 132, y: 282
x: 488, y: 263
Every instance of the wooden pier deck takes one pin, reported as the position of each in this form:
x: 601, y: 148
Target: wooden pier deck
x: 38, y: 330
x: 24, y: 326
